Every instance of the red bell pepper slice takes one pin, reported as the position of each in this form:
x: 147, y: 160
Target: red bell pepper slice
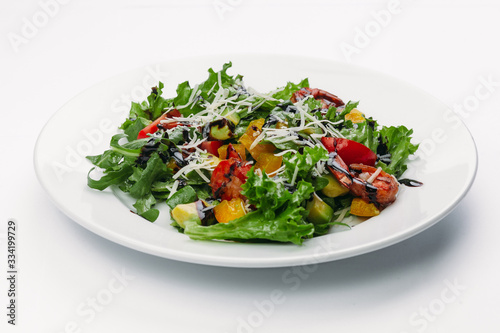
x: 153, y: 127
x: 350, y: 151
x: 211, y: 147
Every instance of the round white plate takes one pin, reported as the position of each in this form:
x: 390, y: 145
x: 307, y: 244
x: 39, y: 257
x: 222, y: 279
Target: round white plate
x: 446, y: 161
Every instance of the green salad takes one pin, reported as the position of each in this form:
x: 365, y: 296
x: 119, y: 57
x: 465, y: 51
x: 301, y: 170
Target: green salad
x: 236, y: 164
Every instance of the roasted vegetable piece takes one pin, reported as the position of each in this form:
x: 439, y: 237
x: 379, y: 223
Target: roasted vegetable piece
x: 254, y: 129
x: 268, y: 163
x: 319, y: 211
x: 240, y: 150
x: 221, y: 129
x: 360, y: 207
x: 355, y: 116
x: 198, y: 211
x: 153, y: 127
x: 211, y: 147
x: 229, y: 175
x: 229, y: 210
x: 334, y: 188
x: 350, y: 151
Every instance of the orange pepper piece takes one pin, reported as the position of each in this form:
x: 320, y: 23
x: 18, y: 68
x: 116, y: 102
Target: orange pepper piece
x: 229, y: 210
x: 359, y: 207
x: 355, y: 116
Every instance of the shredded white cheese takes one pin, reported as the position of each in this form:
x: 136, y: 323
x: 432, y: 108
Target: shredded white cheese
x: 343, y: 212
x: 173, y: 189
x: 294, y: 177
x: 374, y: 176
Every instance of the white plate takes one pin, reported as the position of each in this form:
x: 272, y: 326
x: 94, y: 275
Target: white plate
x: 446, y: 164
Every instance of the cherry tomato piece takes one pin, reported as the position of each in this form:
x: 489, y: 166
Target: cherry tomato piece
x: 228, y: 177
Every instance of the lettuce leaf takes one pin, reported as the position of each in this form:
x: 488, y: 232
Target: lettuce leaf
x: 266, y: 194
x: 397, y: 142
x: 287, y: 91
x: 287, y: 226
x: 304, y: 163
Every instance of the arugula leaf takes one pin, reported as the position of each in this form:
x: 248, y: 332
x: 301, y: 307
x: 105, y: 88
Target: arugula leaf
x: 144, y: 207
x: 107, y: 160
x: 113, y: 177
x: 133, y: 129
x: 184, y: 195
x: 205, y: 91
x: 313, y: 104
x: 338, y: 114
x: 331, y: 114
x: 162, y: 186
x: 203, y: 191
x: 142, y: 114
x: 319, y: 183
x: 129, y: 149
x: 155, y: 168
x: 156, y: 102
x: 181, y: 102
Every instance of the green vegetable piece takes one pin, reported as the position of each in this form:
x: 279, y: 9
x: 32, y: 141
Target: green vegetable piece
x: 304, y: 163
x: 186, y: 213
x: 334, y: 188
x: 144, y: 207
x: 231, y: 116
x: 234, y: 118
x: 221, y: 129
x: 311, y: 130
x: 319, y: 211
x: 154, y: 169
x: 135, y: 127
x: 287, y: 91
x: 110, y: 178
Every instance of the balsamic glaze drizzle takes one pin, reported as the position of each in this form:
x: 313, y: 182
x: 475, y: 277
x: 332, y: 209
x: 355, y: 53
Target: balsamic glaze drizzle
x: 410, y: 182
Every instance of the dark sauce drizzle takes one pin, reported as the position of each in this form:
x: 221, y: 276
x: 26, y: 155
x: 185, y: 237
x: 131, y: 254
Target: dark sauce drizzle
x: 149, y: 148
x: 270, y: 120
x: 176, y: 154
x: 410, y: 182
x: 332, y: 163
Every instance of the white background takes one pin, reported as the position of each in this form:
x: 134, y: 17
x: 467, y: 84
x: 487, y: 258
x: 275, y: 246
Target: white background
x: 446, y: 48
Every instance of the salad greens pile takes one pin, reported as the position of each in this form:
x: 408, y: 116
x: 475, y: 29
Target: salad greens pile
x: 256, y: 159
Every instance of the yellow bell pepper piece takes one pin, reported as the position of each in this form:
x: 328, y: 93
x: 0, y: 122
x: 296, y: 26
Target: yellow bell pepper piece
x: 355, y: 116
x: 254, y: 129
x: 239, y: 148
x: 268, y: 163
